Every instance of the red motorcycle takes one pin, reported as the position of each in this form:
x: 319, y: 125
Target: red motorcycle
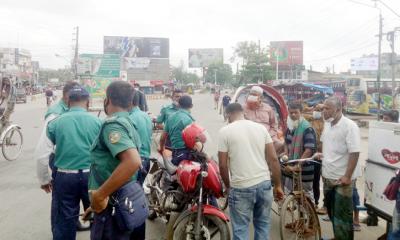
x: 200, y: 178
x: 193, y: 193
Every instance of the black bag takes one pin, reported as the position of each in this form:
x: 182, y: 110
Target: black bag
x: 129, y: 206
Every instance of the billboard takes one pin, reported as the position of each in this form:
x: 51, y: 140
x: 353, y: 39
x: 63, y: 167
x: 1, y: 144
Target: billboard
x: 288, y: 53
x: 103, y: 65
x: 135, y: 47
x: 364, y: 64
x: 204, y: 57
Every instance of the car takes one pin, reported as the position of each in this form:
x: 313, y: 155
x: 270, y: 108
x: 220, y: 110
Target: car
x: 21, y: 95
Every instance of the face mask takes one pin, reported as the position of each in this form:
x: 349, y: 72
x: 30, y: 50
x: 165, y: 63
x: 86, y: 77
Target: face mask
x: 176, y: 103
x: 292, y: 124
x: 252, y: 98
x: 317, y: 115
x: 252, y: 102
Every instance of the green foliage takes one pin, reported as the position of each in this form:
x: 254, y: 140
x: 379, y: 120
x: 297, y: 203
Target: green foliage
x: 184, y: 77
x: 254, y: 61
x: 63, y: 75
x: 220, y: 72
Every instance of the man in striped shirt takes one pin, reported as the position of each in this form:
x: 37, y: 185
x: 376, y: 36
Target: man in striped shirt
x: 300, y: 142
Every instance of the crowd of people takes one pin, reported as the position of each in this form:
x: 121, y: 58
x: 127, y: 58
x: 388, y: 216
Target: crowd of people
x: 91, y: 159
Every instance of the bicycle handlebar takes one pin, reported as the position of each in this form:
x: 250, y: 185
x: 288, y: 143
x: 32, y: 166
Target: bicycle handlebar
x: 301, y: 160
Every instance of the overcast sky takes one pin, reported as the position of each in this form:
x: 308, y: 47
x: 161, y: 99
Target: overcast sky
x: 333, y: 31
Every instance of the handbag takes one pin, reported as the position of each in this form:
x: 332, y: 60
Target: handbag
x: 393, y: 187
x: 129, y: 206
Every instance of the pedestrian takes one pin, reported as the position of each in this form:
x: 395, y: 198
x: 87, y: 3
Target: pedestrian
x: 73, y: 134
x: 300, y: 142
x: 248, y: 161
x: 7, y: 102
x: 394, y: 233
x: 256, y: 110
x: 340, y: 151
x: 144, y: 129
x: 217, y: 95
x: 168, y: 110
x: 115, y: 162
x: 226, y: 99
x: 317, y: 124
x: 173, y: 130
x: 141, y: 98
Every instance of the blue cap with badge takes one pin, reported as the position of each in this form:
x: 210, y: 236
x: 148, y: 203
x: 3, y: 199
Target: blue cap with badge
x: 78, y: 93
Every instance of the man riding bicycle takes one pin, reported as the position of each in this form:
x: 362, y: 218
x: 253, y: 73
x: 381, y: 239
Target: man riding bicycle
x: 7, y: 102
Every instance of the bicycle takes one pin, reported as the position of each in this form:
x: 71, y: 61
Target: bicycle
x: 11, y: 141
x: 298, y: 218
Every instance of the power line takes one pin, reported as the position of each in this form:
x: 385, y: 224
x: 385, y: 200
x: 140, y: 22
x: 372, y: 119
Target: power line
x: 364, y: 4
x: 387, y: 6
x: 343, y: 53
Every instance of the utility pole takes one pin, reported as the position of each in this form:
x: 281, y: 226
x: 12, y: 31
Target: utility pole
x: 76, y: 54
x: 391, y: 37
x: 378, y: 75
x: 215, y: 77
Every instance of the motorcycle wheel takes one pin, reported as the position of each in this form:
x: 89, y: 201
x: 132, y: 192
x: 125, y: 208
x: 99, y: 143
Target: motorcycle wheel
x: 212, y: 228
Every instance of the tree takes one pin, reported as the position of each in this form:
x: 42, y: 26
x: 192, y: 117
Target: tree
x: 255, y: 62
x: 183, y: 76
x: 220, y: 72
x: 63, y: 75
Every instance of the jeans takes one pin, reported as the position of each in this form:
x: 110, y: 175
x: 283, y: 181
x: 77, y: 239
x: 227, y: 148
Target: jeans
x: 245, y: 203
x: 69, y: 189
x: 395, y: 229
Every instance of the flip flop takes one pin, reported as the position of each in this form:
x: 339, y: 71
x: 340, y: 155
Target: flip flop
x: 357, y: 227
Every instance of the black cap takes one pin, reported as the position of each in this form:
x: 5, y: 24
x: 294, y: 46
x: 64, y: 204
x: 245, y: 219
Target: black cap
x: 78, y: 93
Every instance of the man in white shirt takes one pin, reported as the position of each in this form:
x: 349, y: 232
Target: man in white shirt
x: 341, y: 149
x: 246, y: 151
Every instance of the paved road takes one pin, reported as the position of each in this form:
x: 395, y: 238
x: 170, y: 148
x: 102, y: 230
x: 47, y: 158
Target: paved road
x: 24, y: 208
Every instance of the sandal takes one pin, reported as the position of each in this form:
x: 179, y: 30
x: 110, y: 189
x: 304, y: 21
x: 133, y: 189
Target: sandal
x: 356, y: 227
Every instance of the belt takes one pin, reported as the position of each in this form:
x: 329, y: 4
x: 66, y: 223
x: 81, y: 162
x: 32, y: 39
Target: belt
x: 72, y: 171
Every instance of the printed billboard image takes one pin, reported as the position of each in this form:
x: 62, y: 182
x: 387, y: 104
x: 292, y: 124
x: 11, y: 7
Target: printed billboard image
x: 135, y: 47
x: 364, y: 64
x: 288, y: 53
x: 104, y: 65
x: 204, y: 57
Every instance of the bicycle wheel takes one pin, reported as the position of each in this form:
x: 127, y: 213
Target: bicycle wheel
x: 12, y: 144
x: 298, y: 220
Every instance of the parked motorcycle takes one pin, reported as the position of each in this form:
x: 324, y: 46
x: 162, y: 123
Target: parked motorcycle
x: 186, y: 189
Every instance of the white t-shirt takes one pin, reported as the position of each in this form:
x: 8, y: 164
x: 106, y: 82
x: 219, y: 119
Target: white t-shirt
x: 338, y: 142
x: 244, y: 141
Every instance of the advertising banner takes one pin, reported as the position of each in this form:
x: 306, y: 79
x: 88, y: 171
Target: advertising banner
x: 136, y: 47
x: 364, y: 64
x: 288, y: 53
x: 204, y: 57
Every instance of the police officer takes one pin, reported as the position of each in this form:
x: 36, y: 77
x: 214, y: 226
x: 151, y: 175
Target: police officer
x: 115, y: 160
x: 62, y: 105
x: 174, y: 127
x: 170, y: 109
x: 73, y: 134
x: 144, y: 129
